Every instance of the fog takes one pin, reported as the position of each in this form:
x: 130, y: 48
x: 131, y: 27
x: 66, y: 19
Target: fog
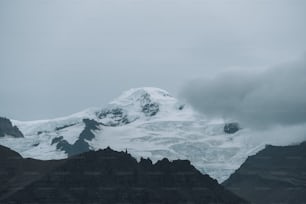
x: 256, y: 99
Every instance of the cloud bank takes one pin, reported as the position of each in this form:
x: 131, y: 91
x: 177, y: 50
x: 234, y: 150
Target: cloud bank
x: 275, y: 97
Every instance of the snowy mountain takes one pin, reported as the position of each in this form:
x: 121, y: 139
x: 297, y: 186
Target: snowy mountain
x: 147, y: 122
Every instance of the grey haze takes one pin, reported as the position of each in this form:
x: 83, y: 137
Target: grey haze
x: 272, y: 97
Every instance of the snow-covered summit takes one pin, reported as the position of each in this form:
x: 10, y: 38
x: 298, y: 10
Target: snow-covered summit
x: 149, y: 101
x: 144, y: 95
x: 146, y: 103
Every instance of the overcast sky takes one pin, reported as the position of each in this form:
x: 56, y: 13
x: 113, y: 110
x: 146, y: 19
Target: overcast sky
x: 58, y: 57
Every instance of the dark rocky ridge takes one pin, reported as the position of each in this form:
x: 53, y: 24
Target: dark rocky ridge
x: 274, y: 175
x: 231, y: 128
x: 7, y: 128
x: 107, y: 176
x: 80, y: 145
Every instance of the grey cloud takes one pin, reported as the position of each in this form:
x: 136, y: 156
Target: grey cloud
x: 272, y: 97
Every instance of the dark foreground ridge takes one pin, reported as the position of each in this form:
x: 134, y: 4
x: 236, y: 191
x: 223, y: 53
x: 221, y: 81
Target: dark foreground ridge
x: 274, y: 175
x: 16, y: 172
x: 106, y: 176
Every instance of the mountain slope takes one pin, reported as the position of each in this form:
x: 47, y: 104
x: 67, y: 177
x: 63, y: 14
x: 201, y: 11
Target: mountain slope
x: 274, y: 175
x: 107, y: 176
x: 148, y: 122
x: 7, y: 128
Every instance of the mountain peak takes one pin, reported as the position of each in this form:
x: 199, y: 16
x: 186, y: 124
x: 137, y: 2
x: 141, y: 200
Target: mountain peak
x: 143, y: 95
x: 138, y: 103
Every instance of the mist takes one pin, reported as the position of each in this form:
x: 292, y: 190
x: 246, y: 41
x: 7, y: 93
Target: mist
x: 256, y: 99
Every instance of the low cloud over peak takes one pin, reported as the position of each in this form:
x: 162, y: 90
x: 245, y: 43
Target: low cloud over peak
x: 276, y: 96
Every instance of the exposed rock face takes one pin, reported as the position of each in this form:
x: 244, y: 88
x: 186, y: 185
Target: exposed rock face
x: 150, y: 109
x: 107, y: 176
x: 80, y: 145
x: 231, y: 128
x: 274, y: 175
x: 7, y: 128
x: 117, y: 116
